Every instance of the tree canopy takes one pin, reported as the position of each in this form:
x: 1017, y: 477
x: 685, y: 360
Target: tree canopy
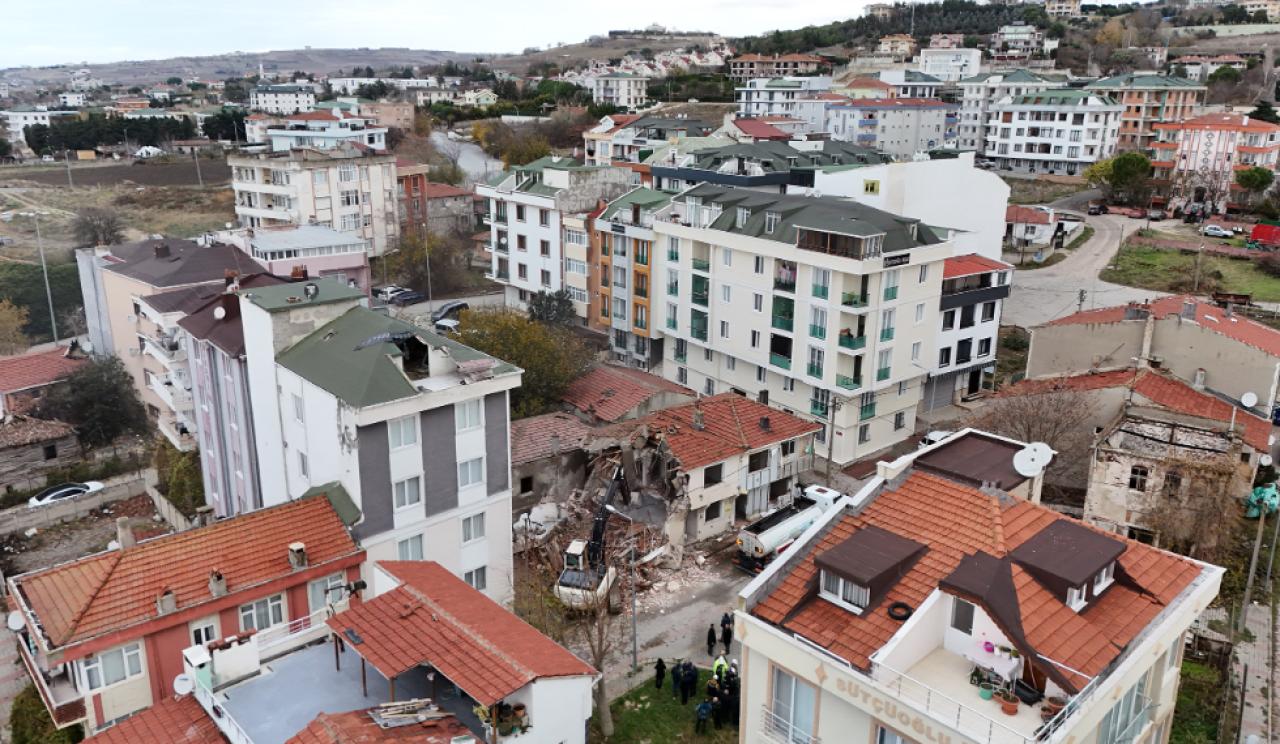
x: 12, y: 320
x: 1255, y: 180
x: 1264, y: 111
x: 85, y: 134
x: 23, y: 285
x: 100, y: 400
x: 551, y: 357
x: 1125, y: 176
x: 554, y: 308
x: 95, y: 226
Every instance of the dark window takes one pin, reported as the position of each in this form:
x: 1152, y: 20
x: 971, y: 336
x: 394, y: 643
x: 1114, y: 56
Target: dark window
x: 962, y: 616
x: 712, y: 512
x: 948, y: 320
x: 789, y: 448
x: 1172, y: 484
x: 1138, y: 477
x: 966, y: 316
x: 526, y: 484
x: 758, y: 461
x: 988, y: 311
x: 50, y: 451
x: 944, y: 357
x: 711, y: 474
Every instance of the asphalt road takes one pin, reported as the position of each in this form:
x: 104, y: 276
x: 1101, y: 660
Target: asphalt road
x: 1041, y: 295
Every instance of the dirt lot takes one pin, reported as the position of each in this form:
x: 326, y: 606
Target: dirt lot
x: 1038, y: 191
x: 179, y: 173
x: 82, y: 537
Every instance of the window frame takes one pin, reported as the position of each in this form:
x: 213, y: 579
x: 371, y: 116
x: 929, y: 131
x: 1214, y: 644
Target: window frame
x: 478, y: 463
x: 400, y: 501
x: 404, y: 548
x: 462, y: 415
x: 130, y: 655
x: 396, y: 431
x: 273, y: 605
x: 469, y: 532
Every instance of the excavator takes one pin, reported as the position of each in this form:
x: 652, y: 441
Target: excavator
x: 587, y: 578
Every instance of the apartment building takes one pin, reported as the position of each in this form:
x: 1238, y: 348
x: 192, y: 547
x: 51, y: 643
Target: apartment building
x: 579, y: 265
x: 746, y: 67
x: 72, y: 100
x: 527, y: 208
x: 1062, y: 8
x: 1198, y: 68
x: 625, y: 90
x: 980, y: 91
x: 946, y: 41
x: 900, y: 46
x: 1017, y: 40
x: 623, y: 137
x: 102, y: 636
x: 763, y: 166
x: 898, y: 127
x: 824, y: 306
x: 622, y: 298
x: 879, y: 623
x: 974, y: 289
x: 325, y: 130
x: 304, y: 251
x: 426, y: 206
x: 409, y: 427
x: 950, y: 64
x: 1146, y: 100
x: 345, y: 188
x: 17, y: 120
x: 1195, y: 161
x: 777, y: 96
x: 911, y: 83
x: 282, y: 99
x: 389, y: 114
x: 1054, y: 131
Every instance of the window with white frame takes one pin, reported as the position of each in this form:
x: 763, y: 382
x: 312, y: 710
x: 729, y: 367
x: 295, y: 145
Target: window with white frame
x: 726, y: 255
x: 303, y: 465
x: 473, y: 527
x: 403, y: 431
x: 265, y: 613
x: 919, y: 313
x: 843, y: 592
x: 962, y: 615
x: 1076, y: 597
x: 924, y: 273
x: 468, y: 415
x: 407, y: 492
x: 757, y: 302
x: 793, y: 709
x: 299, y: 413
x: 1121, y: 723
x: 471, y: 472
x: 477, y: 578
x: 759, y: 260
x: 1104, y: 578
x: 575, y: 266
x: 410, y: 549
x: 204, y: 631
x: 322, y: 592
x: 117, y: 665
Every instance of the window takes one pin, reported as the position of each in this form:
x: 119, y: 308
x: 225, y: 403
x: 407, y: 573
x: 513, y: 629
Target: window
x: 709, y: 386
x: 948, y: 320
x: 899, y: 420
x: 885, y: 736
x: 50, y: 451
x: 347, y: 173
x: 757, y: 302
x: 323, y: 591
x: 1138, y: 477
x: 988, y: 311
x: 477, y: 578
x: 730, y: 363
x: 711, y: 474
x: 740, y: 219
x: 302, y: 465
x: 575, y: 266
x: 915, y: 351
x: 793, y: 706
x: 864, y: 433
x: 403, y: 431
x: 924, y: 273
x: 770, y: 224
x: 724, y: 329
x: 944, y: 357
x: 546, y: 278
x: 1104, y: 578
x: 755, y: 339
x: 1172, y: 486
x: 1075, y: 598
x: 759, y: 261
x: 962, y: 616
x: 204, y: 631
x: 844, y: 592
x: 761, y: 374
x: 522, y: 243
x: 407, y: 492
x: 467, y: 416
x: 544, y: 217
x: 522, y: 272
x: 726, y: 254
x: 520, y: 212
x: 410, y: 549
x: 298, y: 411
x: 349, y: 198
x: 919, y: 313
x: 870, y: 188
x: 265, y: 613
x: 788, y: 384
x: 712, y: 512
x: 471, y: 472
x: 984, y: 347
x: 473, y: 527
x: 726, y: 292
x: 1120, y: 723
x: 544, y: 248
x: 116, y: 665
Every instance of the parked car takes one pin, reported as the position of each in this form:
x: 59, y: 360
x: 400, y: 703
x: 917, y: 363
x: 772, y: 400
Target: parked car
x: 933, y: 437
x: 407, y: 297
x: 1156, y: 214
x: 386, y: 293
x: 1217, y: 231
x: 1097, y: 209
x: 54, y: 494
x: 449, y: 310
x: 985, y: 164
x: 446, y: 326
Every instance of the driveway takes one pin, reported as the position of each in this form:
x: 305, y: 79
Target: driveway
x: 1041, y: 295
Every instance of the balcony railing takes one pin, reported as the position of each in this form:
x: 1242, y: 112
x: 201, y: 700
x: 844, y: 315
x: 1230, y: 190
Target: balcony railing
x: 853, y: 342
x: 849, y: 383
x: 780, y: 360
x: 65, y: 703
x: 818, y: 408
x: 783, y: 322
x: 886, y: 334
x: 700, y: 298
x: 783, y: 285
x: 681, y: 356
x: 778, y: 729
x: 673, y: 255
x: 671, y: 323
x: 698, y: 331
x: 817, y: 331
x: 890, y: 293
x: 853, y: 299
x: 673, y: 288
x: 866, y: 412
x: 814, y: 370
x: 821, y: 291
x: 701, y: 264
x: 882, y: 374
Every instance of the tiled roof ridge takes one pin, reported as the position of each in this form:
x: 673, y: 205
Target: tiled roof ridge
x: 465, y: 628
x: 70, y: 630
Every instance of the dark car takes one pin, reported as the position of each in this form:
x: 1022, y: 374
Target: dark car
x: 408, y: 297
x: 1097, y: 209
x: 449, y: 310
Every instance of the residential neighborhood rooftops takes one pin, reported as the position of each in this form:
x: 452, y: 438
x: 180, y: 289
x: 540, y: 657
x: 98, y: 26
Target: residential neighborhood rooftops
x: 294, y: 237
x: 1021, y: 215
x: 169, y: 721
x: 1220, y: 122
x: 287, y: 295
x: 225, y: 332
x: 1061, y: 97
x: 37, y: 369
x: 1019, y: 75
x: 113, y: 591
x: 359, y: 727
x: 1211, y: 317
x: 781, y: 157
x: 609, y: 392
x: 1139, y: 80
x: 970, y: 264
x: 536, y: 437
x: 760, y: 130
x: 647, y: 199
x: 893, y: 103
x: 435, y: 617
x: 170, y: 262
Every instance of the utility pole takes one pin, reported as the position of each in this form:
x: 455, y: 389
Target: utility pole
x: 833, y: 405
x: 67, y: 162
x: 196, y: 157
x: 44, y: 267
x: 1195, y: 285
x: 1253, y: 565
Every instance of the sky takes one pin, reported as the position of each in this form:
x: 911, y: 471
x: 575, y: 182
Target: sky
x: 96, y: 31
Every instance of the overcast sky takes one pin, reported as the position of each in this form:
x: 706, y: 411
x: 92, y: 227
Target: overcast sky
x: 72, y: 31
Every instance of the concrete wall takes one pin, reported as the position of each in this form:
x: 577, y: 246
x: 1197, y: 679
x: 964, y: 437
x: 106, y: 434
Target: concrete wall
x: 22, y: 518
x: 1072, y: 349
x: 1231, y: 368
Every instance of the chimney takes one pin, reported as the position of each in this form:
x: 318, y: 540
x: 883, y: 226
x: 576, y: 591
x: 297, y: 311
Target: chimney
x: 299, y: 273
x: 1189, y: 309
x: 161, y: 249
x: 297, y: 555
x: 697, y: 418
x: 167, y: 602
x: 217, y: 583
x: 231, y: 280
x: 124, y: 533
x: 635, y: 214
x: 764, y: 423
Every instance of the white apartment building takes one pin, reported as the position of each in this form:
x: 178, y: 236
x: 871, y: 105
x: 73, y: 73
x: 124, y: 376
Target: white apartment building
x: 900, y: 127
x: 1055, y: 131
x: 979, y: 92
x: 823, y: 306
x: 18, y: 119
x: 944, y: 573
x: 1017, y: 39
x: 282, y: 99
x: 1196, y: 160
x: 409, y: 426
x: 343, y: 188
x: 950, y: 65
x: 974, y: 288
x: 576, y: 244
x: 325, y: 130
x: 622, y: 89
x: 910, y: 83
x: 69, y: 99
x: 349, y: 86
x: 778, y: 96
x: 527, y: 208
x: 1062, y: 8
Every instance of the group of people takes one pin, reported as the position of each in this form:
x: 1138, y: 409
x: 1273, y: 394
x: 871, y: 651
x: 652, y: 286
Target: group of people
x: 719, y: 706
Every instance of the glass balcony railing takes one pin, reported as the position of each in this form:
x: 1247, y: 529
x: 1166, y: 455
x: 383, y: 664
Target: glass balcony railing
x: 701, y: 264
x: 783, y: 322
x: 882, y: 374
x: 866, y: 412
x: 853, y: 299
x: 671, y: 323
x: 780, y: 360
x: 852, y: 342
x: 673, y: 256
x: 890, y: 293
x: 673, y: 288
x: 818, y: 408
x: 681, y: 355
x: 821, y: 291
x: 886, y: 334
x: 698, y: 331
x: 700, y: 298
x: 848, y: 383
x: 784, y: 285
x: 817, y: 331
x: 814, y: 370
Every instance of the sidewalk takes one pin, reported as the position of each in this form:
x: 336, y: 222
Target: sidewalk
x: 1259, y: 685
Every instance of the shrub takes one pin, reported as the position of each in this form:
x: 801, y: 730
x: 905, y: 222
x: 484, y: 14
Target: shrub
x: 29, y: 722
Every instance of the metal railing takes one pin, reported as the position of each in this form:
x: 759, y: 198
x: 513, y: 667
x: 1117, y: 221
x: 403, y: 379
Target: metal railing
x: 298, y: 631
x: 234, y: 732
x: 775, y: 728
x: 817, y: 331
x: 853, y: 299
x: 779, y: 360
x: 853, y: 342
x: 886, y: 334
x: 882, y: 374
x: 955, y: 714
x: 702, y: 264
x: 782, y: 285
x: 849, y: 383
x: 814, y: 370
x: 783, y: 322
x: 891, y: 293
x: 867, y: 412
x: 63, y: 714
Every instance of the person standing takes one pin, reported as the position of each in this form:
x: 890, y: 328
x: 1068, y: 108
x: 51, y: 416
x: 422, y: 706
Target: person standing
x: 726, y: 632
x: 659, y: 671
x: 717, y: 712
x: 700, y: 715
x: 711, y: 641
x: 676, y: 677
x: 688, y: 680
x: 720, y: 667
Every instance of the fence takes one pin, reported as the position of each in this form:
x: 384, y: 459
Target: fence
x: 22, y: 518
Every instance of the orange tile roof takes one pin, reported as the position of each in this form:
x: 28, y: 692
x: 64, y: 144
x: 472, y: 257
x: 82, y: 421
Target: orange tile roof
x: 731, y: 426
x: 436, y: 617
x: 537, y: 437
x: 18, y: 430
x: 117, y: 589
x: 609, y: 391
x: 866, y: 82
x: 1025, y: 215
x: 32, y: 370
x: 358, y: 727
x: 956, y: 521
x: 760, y: 129
x: 170, y: 721
x: 970, y: 264
x: 435, y: 190
x: 1221, y: 122
x: 1212, y: 317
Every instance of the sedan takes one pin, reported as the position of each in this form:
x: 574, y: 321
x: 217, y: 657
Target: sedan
x: 386, y: 293
x: 1217, y: 231
x: 1155, y: 214
x: 54, y: 494
x: 407, y: 297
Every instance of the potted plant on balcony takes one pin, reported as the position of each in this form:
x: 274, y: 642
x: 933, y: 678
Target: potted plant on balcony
x: 986, y: 690
x: 1008, y: 702
x: 1055, y: 703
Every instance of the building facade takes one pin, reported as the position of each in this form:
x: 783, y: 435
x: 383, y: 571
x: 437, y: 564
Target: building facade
x: 325, y: 130
x: 622, y: 89
x: 898, y: 127
x: 746, y: 67
x: 1148, y: 99
x: 1055, y: 132
x: 979, y: 92
x: 1195, y: 161
x: 282, y: 99
x: 950, y: 64
x: 974, y: 289
x: 624, y: 233
x: 777, y: 96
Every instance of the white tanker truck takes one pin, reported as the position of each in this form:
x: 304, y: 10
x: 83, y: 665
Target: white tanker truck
x: 762, y: 540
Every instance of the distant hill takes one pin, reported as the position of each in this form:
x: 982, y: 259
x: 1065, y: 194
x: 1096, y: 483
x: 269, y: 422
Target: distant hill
x: 575, y: 55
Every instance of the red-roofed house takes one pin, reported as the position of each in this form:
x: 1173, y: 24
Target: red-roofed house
x: 24, y: 378
x: 1030, y: 226
x: 31, y: 447
x: 877, y: 624
x: 548, y: 459
x: 103, y: 636
x: 609, y: 393
x: 747, y: 66
x: 755, y: 130
x: 1195, y: 160
x: 1201, y: 344
x: 172, y: 720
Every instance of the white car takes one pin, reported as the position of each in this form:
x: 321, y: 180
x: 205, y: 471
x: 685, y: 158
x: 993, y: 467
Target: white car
x: 386, y: 293
x: 1217, y: 231
x: 54, y: 494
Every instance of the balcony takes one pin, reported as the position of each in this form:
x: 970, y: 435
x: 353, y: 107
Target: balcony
x: 867, y: 412
x: 176, y: 431
x: 867, y: 123
x: 65, y: 703
x: 848, y: 383
x: 501, y: 246
x: 814, y: 370
x: 700, y: 297
x: 779, y: 730
x: 702, y: 264
x: 883, y: 374
x: 853, y: 299
x: 817, y: 331
x: 780, y: 360
x: 886, y: 334
x: 820, y: 291
x: 175, y: 396
x: 849, y: 341
x: 642, y: 291
x: 818, y: 408
x: 784, y: 285
x: 671, y: 323
x: 502, y: 275
x: 698, y: 331
x: 673, y: 288
x: 673, y: 256
x: 167, y: 350
x: 783, y: 322
x: 890, y: 293
x: 681, y: 356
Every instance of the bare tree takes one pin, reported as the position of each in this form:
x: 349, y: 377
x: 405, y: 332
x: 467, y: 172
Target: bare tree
x: 1059, y: 417
x: 599, y: 631
x: 73, y: 322
x: 1198, y: 506
x: 95, y: 226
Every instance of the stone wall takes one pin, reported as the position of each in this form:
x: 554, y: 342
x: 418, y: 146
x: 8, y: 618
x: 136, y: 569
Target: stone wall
x: 24, y: 468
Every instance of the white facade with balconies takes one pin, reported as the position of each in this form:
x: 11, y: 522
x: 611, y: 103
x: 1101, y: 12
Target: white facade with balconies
x: 1059, y: 132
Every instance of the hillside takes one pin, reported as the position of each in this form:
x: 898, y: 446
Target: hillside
x: 569, y: 56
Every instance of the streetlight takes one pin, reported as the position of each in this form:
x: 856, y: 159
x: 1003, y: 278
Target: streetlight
x: 635, y: 659
x: 44, y: 267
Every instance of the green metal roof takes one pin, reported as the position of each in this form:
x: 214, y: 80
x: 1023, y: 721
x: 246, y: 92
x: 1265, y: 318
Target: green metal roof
x: 339, y: 499
x: 1019, y: 75
x: 648, y: 199
x: 329, y: 359
x: 287, y: 296
x: 1066, y: 97
x: 1139, y: 80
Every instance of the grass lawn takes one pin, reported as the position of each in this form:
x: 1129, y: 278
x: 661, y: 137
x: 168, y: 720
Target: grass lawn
x: 1195, y: 719
x: 1033, y: 191
x: 1173, y: 271
x: 649, y: 716
x: 1050, y: 261
x: 1080, y: 239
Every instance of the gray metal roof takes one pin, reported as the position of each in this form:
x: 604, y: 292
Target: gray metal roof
x: 301, y: 236
x: 170, y: 262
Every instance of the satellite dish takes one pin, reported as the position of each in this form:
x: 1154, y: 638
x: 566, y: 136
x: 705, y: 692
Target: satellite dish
x: 1249, y: 400
x: 1042, y: 452
x: 1264, y: 461
x: 15, y: 621
x: 1026, y: 464
x: 182, y: 685
x: 219, y: 313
